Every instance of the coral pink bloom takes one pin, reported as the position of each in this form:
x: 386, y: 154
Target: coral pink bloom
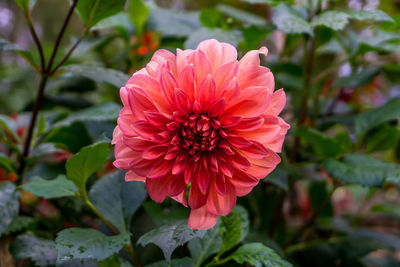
x: 200, y: 118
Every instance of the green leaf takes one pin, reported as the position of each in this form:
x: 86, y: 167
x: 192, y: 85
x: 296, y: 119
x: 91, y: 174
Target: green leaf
x: 375, y: 15
x: 73, y: 136
x: 92, y: 11
x: 362, y: 169
x: 336, y: 20
x: 202, y: 248
x: 118, y: 21
x: 138, y: 13
x: 234, y: 37
x: 185, y: 262
x: 23, y: 4
x: 5, y: 162
x: 161, y: 216
x: 170, y: 236
x: 374, y: 117
x: 123, y: 199
x: 42, y: 251
x: 78, y: 243
x: 240, y: 15
x: 233, y: 228
x: 389, y: 210
x: 9, y: 205
x: 279, y: 177
x: 324, y: 146
x: 58, y: 187
x: 384, y: 138
x: 86, y: 162
x: 258, y: 255
x: 211, y: 18
x: 180, y: 24
x: 289, y: 20
x: 99, y: 74
x: 7, y: 46
x: 269, y: 2
x: 18, y: 224
x: 358, y: 79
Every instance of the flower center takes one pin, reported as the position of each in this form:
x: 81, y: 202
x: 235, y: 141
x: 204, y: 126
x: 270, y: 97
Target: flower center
x: 200, y: 133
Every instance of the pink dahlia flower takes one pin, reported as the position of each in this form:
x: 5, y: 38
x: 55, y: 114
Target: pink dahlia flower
x: 200, y: 118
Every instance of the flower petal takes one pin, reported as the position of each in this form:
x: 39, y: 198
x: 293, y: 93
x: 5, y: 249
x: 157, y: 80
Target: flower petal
x: 201, y: 219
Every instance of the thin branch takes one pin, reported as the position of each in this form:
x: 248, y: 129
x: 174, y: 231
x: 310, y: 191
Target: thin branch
x: 35, y: 39
x: 35, y: 111
x: 60, y: 36
x: 69, y: 53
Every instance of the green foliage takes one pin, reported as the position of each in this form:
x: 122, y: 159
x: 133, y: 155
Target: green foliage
x: 138, y: 13
x: 234, y: 37
x: 383, y: 138
x: 324, y: 146
x: 18, y: 224
x: 78, y: 243
x: 9, y: 205
x: 211, y: 18
x: 184, y: 262
x: 123, y: 199
x: 5, y: 162
x: 240, y: 15
x: 99, y: 74
x: 25, y: 5
x: 372, y: 118
x: 362, y: 169
x: 258, y: 255
x: 358, y: 79
x: 233, y: 228
x: 335, y: 20
x: 202, y: 248
x: 92, y: 11
x: 42, y: 251
x: 169, y: 236
x: 180, y: 24
x: 289, y: 20
x: 85, y: 163
x: 58, y: 187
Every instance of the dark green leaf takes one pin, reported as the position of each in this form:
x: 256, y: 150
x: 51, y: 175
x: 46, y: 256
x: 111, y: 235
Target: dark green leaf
x: 185, y: 262
x: 202, y: 248
x: 42, y: 251
x: 9, y: 205
x: 138, y: 13
x: 324, y: 146
x: 387, y: 209
x: 258, y: 255
x: 233, y: 228
x: 58, y: 187
x: 180, y: 24
x: 336, y: 20
x: 110, y: 262
x: 234, y: 37
x: 5, y: 162
x: 240, y: 15
x: 118, y: 21
x: 289, y: 21
x: 376, y: 15
x: 8, y: 126
x: 389, y: 240
x: 86, y: 162
x: 78, y: 243
x: 170, y: 236
x: 99, y: 74
x: 279, y: 177
x: 383, y: 138
x: 358, y: 79
x: 161, y: 216
x: 18, y: 224
x: 73, y: 136
x: 123, y: 198
x: 92, y: 11
x: 362, y: 169
x: 374, y: 117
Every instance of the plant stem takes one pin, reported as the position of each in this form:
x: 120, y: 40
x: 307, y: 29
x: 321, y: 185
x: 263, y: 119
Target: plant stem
x: 309, y: 51
x: 310, y: 221
x: 35, y: 38
x: 60, y: 36
x: 35, y: 111
x: 68, y: 54
x: 44, y: 73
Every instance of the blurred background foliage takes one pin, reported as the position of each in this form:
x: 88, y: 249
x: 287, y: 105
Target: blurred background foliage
x: 333, y: 201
